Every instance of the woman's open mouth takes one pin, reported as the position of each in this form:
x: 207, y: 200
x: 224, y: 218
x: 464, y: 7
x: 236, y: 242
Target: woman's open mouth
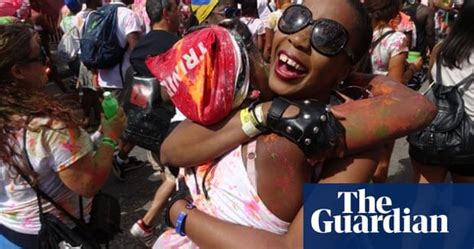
x: 289, y: 68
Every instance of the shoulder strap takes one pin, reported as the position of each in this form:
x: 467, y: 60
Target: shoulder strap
x: 376, y: 42
x: 469, y: 79
x: 39, y: 192
x: 251, y: 156
x: 438, y: 69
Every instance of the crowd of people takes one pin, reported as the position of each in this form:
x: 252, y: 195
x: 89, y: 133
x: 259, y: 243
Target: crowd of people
x: 238, y: 103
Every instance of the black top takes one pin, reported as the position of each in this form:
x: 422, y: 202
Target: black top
x: 153, y: 43
x: 423, y: 17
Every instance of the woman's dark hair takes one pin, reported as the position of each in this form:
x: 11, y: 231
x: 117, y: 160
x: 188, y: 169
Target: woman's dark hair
x: 382, y: 10
x: 459, y: 45
x: 362, y: 29
x: 17, y: 103
x: 249, y: 8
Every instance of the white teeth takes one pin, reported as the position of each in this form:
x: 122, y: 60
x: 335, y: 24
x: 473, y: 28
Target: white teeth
x: 298, y: 67
x: 283, y: 58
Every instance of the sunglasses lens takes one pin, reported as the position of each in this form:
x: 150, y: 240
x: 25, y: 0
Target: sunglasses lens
x: 328, y: 37
x: 294, y: 19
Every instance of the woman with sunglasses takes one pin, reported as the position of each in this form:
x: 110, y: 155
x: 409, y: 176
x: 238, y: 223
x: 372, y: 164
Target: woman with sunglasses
x: 316, y: 48
x: 42, y: 139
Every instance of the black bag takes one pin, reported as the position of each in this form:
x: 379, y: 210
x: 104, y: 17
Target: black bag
x: 54, y: 234
x: 449, y: 139
x: 148, y: 117
x: 104, y: 221
x: 365, y: 63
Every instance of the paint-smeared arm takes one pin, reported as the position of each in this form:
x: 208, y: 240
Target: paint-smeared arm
x: 394, y: 112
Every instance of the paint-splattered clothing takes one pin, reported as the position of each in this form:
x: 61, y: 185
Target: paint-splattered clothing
x: 50, y: 150
x: 390, y: 46
x: 232, y: 198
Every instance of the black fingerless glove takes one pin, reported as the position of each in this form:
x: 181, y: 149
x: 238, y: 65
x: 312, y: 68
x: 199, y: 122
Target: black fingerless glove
x: 181, y: 194
x: 314, y: 129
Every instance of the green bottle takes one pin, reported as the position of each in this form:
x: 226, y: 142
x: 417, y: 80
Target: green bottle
x: 109, y: 105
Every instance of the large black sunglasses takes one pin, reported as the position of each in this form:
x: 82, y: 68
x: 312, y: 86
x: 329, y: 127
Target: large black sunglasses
x: 328, y: 37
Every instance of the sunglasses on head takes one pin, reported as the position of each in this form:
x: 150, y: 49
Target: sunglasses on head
x: 41, y: 58
x: 328, y: 37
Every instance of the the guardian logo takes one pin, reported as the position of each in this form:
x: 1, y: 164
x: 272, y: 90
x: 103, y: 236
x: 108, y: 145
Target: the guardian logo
x: 366, y: 214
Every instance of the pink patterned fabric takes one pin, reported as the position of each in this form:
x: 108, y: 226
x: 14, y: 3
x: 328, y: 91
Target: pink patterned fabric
x: 231, y: 198
x: 139, y: 8
x: 392, y: 45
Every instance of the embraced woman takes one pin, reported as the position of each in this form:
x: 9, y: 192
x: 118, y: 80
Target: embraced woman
x: 247, y: 185
x: 38, y: 128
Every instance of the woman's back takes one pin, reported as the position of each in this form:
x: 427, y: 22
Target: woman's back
x: 455, y: 75
x: 389, y: 47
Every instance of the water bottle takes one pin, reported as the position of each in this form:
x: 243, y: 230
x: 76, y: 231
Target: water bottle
x: 109, y: 105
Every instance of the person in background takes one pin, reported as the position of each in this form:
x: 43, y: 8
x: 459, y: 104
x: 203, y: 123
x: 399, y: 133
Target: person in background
x: 67, y: 21
x: 271, y: 26
x: 112, y: 80
x: 139, y: 9
x: 456, y: 55
x: 45, y: 29
x: 389, y: 59
x: 423, y: 17
x: 255, y: 25
x: 403, y: 23
x: 213, y: 11
x: 35, y: 126
x: 263, y: 9
x: 165, y: 19
x: 86, y: 82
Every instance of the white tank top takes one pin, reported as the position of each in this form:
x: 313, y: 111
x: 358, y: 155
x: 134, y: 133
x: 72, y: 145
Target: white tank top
x: 452, y: 76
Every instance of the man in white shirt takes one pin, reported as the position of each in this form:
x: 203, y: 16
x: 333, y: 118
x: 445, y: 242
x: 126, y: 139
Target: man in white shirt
x: 128, y: 33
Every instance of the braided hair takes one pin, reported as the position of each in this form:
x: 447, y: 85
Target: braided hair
x: 18, y: 103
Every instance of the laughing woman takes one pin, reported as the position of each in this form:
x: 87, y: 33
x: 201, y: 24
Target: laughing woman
x: 248, y: 182
x: 247, y: 185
